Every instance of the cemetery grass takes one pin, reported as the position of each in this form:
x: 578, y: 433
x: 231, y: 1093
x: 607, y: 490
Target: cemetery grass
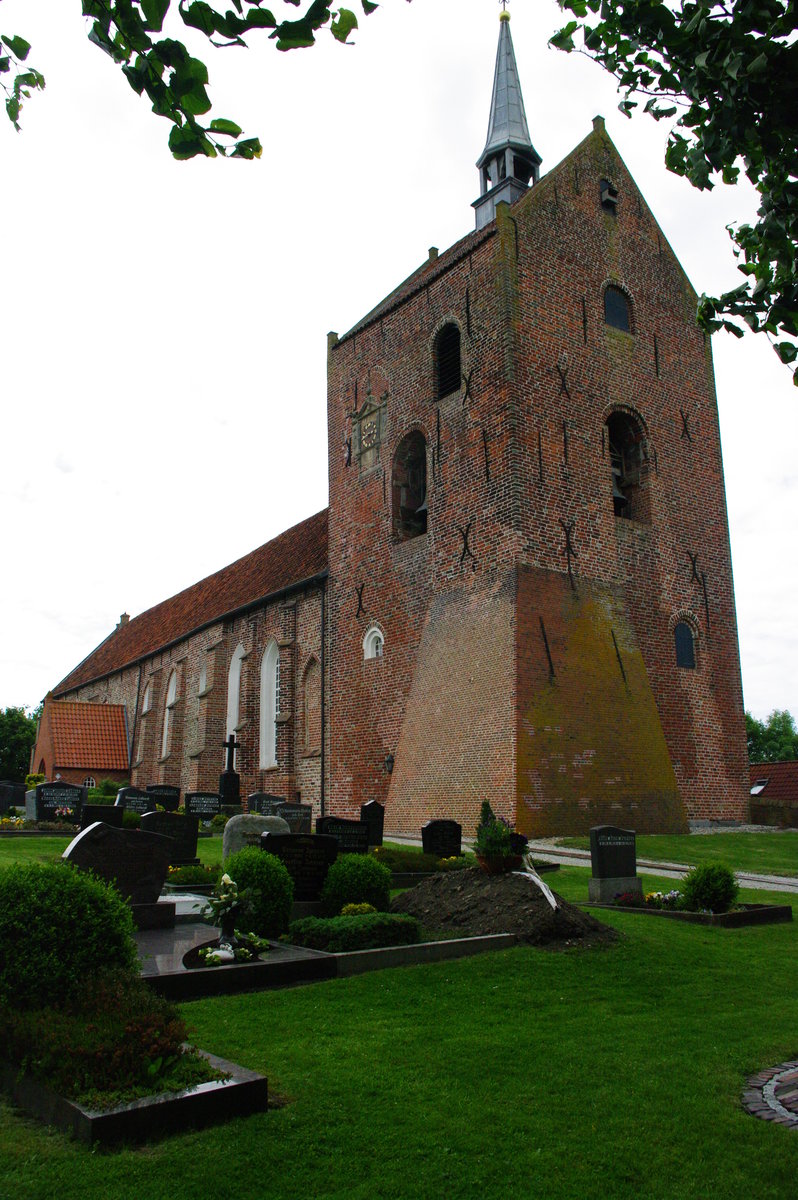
x: 764, y: 853
x: 612, y: 1072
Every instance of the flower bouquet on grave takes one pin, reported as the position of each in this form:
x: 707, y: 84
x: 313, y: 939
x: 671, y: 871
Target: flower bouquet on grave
x: 227, y: 905
x: 495, y: 844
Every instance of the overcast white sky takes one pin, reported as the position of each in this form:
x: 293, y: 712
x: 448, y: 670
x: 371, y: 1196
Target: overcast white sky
x: 163, y: 325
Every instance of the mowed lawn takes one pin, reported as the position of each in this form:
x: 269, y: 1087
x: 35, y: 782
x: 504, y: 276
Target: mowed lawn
x: 611, y: 1073
x: 763, y: 853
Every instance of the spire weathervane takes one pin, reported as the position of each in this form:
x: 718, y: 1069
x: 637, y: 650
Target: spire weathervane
x: 509, y: 163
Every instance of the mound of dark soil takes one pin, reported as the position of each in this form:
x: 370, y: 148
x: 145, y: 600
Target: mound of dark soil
x: 470, y: 902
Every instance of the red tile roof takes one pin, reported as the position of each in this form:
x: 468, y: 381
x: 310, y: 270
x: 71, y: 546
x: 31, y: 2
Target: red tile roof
x: 90, y: 736
x: 298, y: 554
x: 782, y: 782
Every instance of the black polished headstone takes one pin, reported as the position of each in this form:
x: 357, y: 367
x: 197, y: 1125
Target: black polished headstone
x: 134, y: 861
x: 298, y: 817
x: 162, y: 793
x: 373, y: 813
x: 444, y: 839
x: 53, y: 796
x: 12, y: 795
x: 612, y: 852
x: 109, y: 813
x: 307, y: 856
x: 134, y: 800
x: 183, y: 831
x: 203, y: 805
x: 264, y: 803
x: 352, y: 836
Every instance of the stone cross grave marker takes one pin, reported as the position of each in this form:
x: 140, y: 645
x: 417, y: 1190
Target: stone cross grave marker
x: 352, y: 836
x: 164, y: 794
x: 229, y: 781
x: 134, y: 800
x: 307, y: 856
x: 182, y: 830
x: 373, y: 813
x: 203, y: 805
x: 444, y: 839
x: 613, y: 859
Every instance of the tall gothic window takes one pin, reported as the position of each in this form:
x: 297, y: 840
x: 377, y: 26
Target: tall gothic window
x: 171, y: 701
x: 448, y: 375
x: 628, y: 451
x: 617, y: 310
x: 312, y: 695
x: 409, y: 487
x: 685, y: 646
x: 234, y: 691
x: 269, y: 705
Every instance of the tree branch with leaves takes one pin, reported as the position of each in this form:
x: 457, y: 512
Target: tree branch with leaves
x: 163, y: 69
x: 729, y: 69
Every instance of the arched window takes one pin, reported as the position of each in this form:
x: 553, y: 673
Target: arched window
x: 312, y: 690
x: 628, y: 452
x: 448, y: 375
x: 617, y: 310
x: 146, y: 702
x: 202, y: 679
x: 269, y: 705
x: 409, y: 487
x: 685, y: 646
x: 234, y: 691
x: 373, y: 643
x: 89, y: 781
x: 171, y: 700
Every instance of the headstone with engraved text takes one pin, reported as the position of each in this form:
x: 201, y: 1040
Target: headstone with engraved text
x: 54, y: 800
x: 307, y: 856
x: 164, y: 794
x: 352, y: 836
x: 264, y: 803
x: 182, y: 830
x: 203, y: 805
x: 134, y: 800
x: 298, y: 816
x: 613, y: 859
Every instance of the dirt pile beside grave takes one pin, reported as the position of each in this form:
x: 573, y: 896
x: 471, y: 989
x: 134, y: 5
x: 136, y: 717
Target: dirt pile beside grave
x: 469, y: 902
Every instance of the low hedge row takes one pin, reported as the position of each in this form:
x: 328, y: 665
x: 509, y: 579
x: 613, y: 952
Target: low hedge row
x: 367, y: 932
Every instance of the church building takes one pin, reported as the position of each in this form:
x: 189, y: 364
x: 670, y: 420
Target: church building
x: 522, y: 588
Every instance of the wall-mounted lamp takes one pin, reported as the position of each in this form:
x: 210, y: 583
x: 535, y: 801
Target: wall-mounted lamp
x: 389, y: 761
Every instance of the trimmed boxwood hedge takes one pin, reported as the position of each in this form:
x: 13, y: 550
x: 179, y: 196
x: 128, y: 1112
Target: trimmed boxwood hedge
x: 355, y: 879
x: 267, y: 910
x: 367, y: 932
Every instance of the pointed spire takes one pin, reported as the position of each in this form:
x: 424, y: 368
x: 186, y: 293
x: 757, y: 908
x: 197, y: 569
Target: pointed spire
x: 509, y: 163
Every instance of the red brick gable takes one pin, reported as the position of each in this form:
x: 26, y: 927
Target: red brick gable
x: 298, y: 554
x: 90, y: 736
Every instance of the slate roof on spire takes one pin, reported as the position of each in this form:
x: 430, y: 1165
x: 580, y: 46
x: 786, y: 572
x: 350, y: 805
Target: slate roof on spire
x: 507, y: 122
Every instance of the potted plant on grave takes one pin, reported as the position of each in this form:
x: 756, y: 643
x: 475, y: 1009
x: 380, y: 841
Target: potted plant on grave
x: 497, y: 848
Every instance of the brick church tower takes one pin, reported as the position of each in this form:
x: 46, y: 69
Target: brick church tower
x: 530, y: 590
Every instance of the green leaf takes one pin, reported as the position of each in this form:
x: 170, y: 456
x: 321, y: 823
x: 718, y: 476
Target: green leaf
x: 251, y: 148
x: 368, y: 7
x: 5, y: 65
x: 155, y: 11
x: 221, y: 125
x: 18, y: 46
x: 12, y: 108
x: 343, y: 24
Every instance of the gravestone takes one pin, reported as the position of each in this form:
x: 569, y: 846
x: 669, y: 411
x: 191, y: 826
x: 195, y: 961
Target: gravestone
x: 162, y: 793
x: 134, y: 800
x: 12, y: 795
x: 444, y: 839
x: 182, y: 830
x: 613, y: 859
x: 307, y: 856
x: 229, y: 780
x: 203, y: 805
x: 264, y: 803
x: 136, y: 864
x: 109, y: 813
x: 299, y: 817
x: 50, y: 797
x: 373, y: 814
x: 352, y: 836
x: 245, y: 830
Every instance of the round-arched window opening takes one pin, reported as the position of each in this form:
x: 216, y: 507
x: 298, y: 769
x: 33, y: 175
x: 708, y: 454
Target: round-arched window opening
x: 617, y: 310
x: 373, y: 644
x: 447, y: 361
x: 628, y: 467
x: 89, y: 782
x: 685, y: 646
x: 409, y: 487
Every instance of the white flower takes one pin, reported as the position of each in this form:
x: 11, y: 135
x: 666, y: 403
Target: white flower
x: 226, y: 880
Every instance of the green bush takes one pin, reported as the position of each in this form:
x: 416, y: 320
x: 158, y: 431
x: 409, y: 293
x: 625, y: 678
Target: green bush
x: 710, y: 886
x: 194, y: 874
x: 355, y: 879
x: 357, y: 910
x: 266, y: 910
x: 493, y: 834
x: 58, y: 926
x: 405, y: 860
x: 219, y: 821
x: 32, y: 780
x: 366, y: 932
x: 130, y: 819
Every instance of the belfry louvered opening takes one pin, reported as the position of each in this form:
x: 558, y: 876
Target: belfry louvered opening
x: 448, y: 372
